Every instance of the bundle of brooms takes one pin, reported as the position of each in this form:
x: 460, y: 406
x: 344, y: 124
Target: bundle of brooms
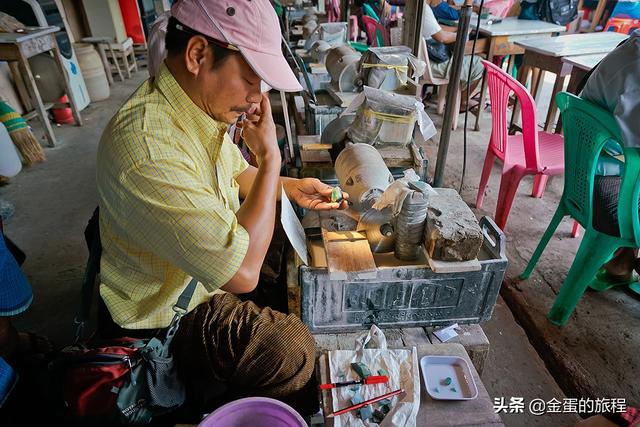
x: 21, y: 135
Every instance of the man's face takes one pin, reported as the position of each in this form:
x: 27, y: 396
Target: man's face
x: 229, y: 89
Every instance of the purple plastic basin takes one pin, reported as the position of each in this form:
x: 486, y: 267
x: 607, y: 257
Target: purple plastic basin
x: 254, y: 412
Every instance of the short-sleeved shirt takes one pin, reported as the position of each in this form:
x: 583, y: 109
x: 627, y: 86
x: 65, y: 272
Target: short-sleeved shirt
x: 166, y: 178
x: 615, y: 86
x: 430, y: 24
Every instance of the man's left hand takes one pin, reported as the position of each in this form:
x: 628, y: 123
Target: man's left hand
x: 311, y: 193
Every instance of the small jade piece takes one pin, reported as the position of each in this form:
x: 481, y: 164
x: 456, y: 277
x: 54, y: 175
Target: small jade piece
x: 453, y: 389
x: 361, y: 369
x: 446, y: 381
x: 366, y: 412
x: 336, y: 195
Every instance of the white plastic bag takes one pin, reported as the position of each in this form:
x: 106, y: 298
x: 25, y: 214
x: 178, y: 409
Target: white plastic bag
x: 402, y: 368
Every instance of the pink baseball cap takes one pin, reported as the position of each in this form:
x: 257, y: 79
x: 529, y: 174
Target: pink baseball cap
x: 250, y: 25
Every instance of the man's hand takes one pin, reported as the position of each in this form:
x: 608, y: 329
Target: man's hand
x: 311, y: 193
x: 259, y: 132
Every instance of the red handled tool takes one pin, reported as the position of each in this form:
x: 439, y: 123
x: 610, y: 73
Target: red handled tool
x: 373, y: 379
x: 365, y: 403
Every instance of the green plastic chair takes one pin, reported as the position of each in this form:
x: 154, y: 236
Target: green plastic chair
x: 587, y: 128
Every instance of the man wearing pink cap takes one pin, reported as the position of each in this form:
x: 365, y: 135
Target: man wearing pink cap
x: 169, y: 180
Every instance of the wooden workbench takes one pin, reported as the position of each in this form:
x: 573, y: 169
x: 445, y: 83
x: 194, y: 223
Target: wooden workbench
x: 546, y: 54
x: 503, y: 37
x: 17, y: 48
x: 435, y: 413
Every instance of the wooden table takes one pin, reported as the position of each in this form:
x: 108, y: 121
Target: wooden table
x: 17, y: 48
x: 546, y: 54
x: 503, y: 37
x: 435, y: 413
x: 580, y: 66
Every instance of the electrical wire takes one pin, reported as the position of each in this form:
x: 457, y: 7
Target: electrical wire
x: 466, y: 112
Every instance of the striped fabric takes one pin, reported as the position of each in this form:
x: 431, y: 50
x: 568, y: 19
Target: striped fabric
x: 253, y: 351
x: 166, y: 178
x: 11, y: 120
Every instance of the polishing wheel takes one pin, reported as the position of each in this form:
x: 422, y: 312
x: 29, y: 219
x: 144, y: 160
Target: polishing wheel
x: 378, y: 226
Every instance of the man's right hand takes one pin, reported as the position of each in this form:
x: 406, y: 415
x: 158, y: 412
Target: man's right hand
x: 259, y: 133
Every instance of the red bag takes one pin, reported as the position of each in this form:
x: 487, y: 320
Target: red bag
x: 92, y: 377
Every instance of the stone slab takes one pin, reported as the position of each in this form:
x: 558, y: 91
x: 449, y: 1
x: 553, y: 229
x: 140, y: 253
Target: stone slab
x: 452, y: 232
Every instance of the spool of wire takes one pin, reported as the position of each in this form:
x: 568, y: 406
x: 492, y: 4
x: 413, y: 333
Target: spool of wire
x: 410, y: 226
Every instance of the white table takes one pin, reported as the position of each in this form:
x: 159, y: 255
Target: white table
x: 503, y: 37
x: 546, y: 54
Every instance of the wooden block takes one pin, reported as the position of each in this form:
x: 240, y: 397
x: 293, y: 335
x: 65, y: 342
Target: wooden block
x: 346, y: 251
x: 396, y: 156
x: 474, y: 340
x: 308, y: 156
x: 438, y: 266
x: 315, y: 147
x: 307, y: 139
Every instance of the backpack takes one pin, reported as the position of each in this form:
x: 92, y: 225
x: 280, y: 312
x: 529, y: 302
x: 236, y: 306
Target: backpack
x: 560, y: 12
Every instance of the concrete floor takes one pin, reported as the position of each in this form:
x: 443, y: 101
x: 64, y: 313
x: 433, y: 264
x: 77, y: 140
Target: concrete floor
x: 594, y: 355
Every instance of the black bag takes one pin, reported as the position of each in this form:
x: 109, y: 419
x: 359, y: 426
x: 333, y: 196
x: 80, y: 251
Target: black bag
x: 438, y: 52
x: 560, y: 12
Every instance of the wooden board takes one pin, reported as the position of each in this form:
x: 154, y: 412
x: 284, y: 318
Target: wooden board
x: 310, y: 156
x: 478, y: 412
x: 438, y: 266
x: 348, y: 252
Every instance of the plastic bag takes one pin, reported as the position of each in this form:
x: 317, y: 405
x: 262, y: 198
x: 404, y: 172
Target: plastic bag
x: 401, y: 366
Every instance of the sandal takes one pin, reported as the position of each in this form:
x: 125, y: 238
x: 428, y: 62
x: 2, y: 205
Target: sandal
x: 605, y: 280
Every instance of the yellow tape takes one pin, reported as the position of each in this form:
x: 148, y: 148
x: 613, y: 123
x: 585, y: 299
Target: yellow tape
x: 394, y: 118
x: 387, y: 66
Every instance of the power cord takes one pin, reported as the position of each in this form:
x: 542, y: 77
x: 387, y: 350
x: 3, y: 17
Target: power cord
x: 466, y: 112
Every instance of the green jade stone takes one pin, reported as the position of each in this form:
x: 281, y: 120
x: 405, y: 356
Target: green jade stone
x: 446, y: 381
x: 361, y: 369
x: 336, y: 195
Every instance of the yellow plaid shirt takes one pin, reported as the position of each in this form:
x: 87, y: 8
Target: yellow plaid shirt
x: 166, y: 179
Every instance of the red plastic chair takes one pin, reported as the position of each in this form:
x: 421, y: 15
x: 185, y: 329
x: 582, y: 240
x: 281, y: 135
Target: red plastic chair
x: 533, y: 152
x: 377, y: 33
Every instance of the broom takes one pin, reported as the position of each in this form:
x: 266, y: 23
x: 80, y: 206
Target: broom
x: 21, y: 135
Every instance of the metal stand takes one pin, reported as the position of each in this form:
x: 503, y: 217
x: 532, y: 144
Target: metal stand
x: 452, y: 90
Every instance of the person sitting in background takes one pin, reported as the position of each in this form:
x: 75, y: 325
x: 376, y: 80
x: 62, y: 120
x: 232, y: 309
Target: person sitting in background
x: 443, y: 10
x: 615, y: 86
x: 432, y: 30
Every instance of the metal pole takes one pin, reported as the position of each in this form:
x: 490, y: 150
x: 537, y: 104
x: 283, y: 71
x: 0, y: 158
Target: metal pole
x: 452, y: 90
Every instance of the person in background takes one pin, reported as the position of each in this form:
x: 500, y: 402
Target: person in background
x: 443, y: 10
x: 615, y: 86
x: 432, y: 30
